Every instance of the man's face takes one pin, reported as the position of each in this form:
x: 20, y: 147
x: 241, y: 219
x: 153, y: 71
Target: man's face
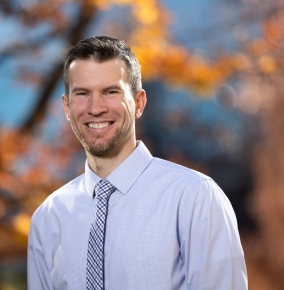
x: 100, y: 106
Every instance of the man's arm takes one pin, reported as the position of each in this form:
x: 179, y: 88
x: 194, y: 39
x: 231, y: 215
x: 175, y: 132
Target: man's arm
x: 210, y: 244
x: 38, y: 275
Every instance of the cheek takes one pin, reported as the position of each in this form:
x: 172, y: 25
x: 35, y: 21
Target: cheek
x: 129, y: 107
x: 121, y: 108
x: 77, y: 109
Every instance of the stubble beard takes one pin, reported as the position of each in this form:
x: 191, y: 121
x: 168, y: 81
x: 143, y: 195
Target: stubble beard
x: 101, y: 146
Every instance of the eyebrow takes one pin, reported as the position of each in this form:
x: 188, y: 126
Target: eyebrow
x: 111, y: 87
x: 76, y: 89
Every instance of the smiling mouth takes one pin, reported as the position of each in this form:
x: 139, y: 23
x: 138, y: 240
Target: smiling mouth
x: 98, y: 125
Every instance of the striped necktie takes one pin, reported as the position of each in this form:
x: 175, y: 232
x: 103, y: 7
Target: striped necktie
x: 95, y: 257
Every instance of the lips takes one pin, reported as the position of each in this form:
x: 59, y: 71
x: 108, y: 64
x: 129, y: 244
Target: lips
x: 99, y: 125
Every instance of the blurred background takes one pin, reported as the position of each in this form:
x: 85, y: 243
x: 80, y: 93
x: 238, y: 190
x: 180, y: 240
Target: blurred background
x: 213, y: 71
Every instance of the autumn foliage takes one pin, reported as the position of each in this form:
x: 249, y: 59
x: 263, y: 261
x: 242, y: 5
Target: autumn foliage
x: 264, y: 249
x: 30, y: 170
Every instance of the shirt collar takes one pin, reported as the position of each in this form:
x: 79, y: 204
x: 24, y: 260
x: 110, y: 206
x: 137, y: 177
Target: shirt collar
x: 124, y: 176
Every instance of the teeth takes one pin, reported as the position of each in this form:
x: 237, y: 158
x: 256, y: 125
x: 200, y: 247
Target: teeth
x: 97, y: 125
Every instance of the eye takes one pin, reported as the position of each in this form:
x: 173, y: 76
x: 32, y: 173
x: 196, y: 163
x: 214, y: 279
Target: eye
x: 111, y: 92
x: 81, y: 94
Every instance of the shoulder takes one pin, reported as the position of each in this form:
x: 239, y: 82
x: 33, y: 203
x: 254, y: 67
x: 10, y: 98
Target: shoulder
x: 67, y: 191
x: 170, y: 171
x: 61, y: 197
x: 190, y: 185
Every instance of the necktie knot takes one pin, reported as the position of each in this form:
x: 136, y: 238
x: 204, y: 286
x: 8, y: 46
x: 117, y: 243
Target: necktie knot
x: 104, y: 189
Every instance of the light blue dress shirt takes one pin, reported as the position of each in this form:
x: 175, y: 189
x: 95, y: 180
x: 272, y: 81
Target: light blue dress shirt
x: 168, y: 228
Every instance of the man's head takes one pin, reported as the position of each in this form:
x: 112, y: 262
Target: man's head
x: 103, y: 96
x: 101, y: 49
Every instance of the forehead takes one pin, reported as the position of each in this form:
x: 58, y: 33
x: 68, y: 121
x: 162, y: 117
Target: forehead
x: 89, y: 68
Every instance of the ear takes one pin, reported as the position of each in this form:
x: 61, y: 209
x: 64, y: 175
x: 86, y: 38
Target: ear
x: 65, y: 104
x: 140, y: 103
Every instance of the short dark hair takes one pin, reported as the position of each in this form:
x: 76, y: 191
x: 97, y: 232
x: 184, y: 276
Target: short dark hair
x: 103, y: 48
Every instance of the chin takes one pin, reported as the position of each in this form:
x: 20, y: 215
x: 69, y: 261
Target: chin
x: 101, y: 148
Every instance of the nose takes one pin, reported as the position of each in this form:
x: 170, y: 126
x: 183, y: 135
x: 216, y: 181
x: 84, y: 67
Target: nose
x: 97, y: 105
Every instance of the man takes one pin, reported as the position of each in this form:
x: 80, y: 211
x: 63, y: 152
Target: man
x: 131, y: 221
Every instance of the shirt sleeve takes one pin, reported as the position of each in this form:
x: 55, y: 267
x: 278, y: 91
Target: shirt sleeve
x: 210, y: 243
x: 38, y: 275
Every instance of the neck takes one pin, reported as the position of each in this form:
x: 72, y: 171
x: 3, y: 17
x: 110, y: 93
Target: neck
x: 103, y: 165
